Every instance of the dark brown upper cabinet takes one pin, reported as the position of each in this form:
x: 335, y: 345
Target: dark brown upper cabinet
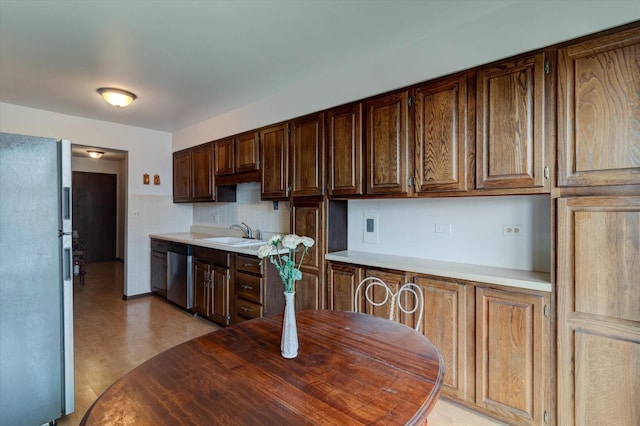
x: 247, y: 152
x: 182, y: 176
x: 237, y: 159
x: 344, y: 152
x: 599, y: 111
x: 443, y: 147
x: 307, y: 156
x: 193, y: 178
x: 274, y: 162
x: 224, y: 156
x: 201, y: 172
x: 387, y: 141
x: 510, y: 125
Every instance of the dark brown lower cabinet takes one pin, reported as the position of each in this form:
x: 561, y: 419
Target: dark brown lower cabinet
x: 211, y: 279
x: 494, y: 340
x: 159, y: 267
x: 512, y: 355
x: 448, y: 322
x: 342, y: 281
x: 257, y: 289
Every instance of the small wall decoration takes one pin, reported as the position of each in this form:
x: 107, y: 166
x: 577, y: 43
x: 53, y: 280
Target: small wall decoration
x: 145, y: 178
x: 156, y: 179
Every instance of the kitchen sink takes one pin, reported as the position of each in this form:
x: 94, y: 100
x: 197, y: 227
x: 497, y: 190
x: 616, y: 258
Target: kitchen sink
x: 234, y: 241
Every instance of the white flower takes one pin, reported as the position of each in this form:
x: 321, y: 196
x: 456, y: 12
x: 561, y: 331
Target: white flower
x: 273, y: 241
x: 307, y: 241
x: 265, y: 250
x: 291, y: 241
x: 285, y: 264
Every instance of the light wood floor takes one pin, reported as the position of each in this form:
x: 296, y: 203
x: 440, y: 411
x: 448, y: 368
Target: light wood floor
x: 113, y: 336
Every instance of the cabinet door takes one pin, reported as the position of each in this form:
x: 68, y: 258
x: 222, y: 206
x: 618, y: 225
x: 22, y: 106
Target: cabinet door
x: 449, y: 325
x: 344, y: 139
x: 308, y: 220
x: 247, y: 152
x: 159, y: 273
x: 341, y: 284
x: 599, y: 111
x: 308, y: 292
x: 201, y: 279
x: 307, y: 156
x: 598, y: 310
x: 511, y: 367
x: 441, y: 139
x: 274, y: 164
x: 182, y: 176
x: 224, y: 157
x: 510, y: 124
x: 202, y: 173
x: 388, y: 144
x: 219, y: 295
x: 394, y: 281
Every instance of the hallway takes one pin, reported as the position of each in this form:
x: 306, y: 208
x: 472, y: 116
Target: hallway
x: 113, y: 336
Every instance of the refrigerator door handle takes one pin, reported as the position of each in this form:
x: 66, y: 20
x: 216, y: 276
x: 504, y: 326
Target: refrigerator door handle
x: 66, y: 203
x: 66, y: 265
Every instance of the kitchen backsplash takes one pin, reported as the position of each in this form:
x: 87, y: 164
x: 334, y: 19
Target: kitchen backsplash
x: 464, y: 229
x: 248, y: 208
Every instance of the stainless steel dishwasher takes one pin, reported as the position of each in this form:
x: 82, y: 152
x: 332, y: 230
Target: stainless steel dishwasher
x: 179, y: 275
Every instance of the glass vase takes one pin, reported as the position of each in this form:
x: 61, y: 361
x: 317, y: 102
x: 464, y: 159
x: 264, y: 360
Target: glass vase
x: 289, y: 342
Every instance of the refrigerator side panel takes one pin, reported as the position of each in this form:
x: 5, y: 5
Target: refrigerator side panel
x: 31, y: 368
x: 67, y: 276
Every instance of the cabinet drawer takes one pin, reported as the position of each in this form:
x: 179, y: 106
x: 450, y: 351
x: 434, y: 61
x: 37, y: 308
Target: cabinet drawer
x: 248, y: 287
x: 247, y: 310
x: 212, y: 256
x: 159, y: 245
x: 248, y: 264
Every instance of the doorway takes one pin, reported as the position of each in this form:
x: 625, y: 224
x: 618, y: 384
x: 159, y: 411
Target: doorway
x: 94, y: 214
x: 115, y: 163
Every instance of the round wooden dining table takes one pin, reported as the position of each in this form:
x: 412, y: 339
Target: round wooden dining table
x: 352, y: 369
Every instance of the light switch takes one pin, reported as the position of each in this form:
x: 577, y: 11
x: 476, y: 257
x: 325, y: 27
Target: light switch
x: 370, y: 223
x: 370, y: 234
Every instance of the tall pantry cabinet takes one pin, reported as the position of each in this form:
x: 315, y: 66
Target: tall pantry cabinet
x: 598, y: 230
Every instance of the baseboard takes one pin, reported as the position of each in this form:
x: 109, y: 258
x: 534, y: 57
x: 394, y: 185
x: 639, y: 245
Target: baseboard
x: 136, y: 296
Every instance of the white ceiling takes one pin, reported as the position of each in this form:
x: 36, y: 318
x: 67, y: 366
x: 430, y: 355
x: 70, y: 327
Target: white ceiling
x: 190, y: 60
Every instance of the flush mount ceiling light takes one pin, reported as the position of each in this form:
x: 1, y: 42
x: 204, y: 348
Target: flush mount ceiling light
x: 95, y: 154
x: 117, y: 97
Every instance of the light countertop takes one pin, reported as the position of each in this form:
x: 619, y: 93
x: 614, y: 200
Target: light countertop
x: 517, y: 278
x: 532, y: 280
x: 196, y: 239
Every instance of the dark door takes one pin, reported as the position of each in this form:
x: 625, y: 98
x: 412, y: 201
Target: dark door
x: 94, y: 214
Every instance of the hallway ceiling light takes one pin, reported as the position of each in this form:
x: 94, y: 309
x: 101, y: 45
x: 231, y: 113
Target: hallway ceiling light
x: 95, y: 154
x: 117, y: 97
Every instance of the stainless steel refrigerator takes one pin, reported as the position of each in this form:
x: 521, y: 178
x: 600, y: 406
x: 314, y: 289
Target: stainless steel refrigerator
x: 36, y: 280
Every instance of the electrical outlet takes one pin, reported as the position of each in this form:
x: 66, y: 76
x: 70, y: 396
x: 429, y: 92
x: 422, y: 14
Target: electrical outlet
x: 216, y: 218
x: 512, y: 230
x: 135, y: 214
x: 443, y: 228
x: 370, y: 231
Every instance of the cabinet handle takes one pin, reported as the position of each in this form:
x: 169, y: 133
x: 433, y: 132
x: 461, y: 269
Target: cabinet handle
x: 246, y: 265
x: 245, y: 309
x: 246, y: 287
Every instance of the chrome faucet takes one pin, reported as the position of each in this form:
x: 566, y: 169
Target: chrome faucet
x: 246, y: 229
